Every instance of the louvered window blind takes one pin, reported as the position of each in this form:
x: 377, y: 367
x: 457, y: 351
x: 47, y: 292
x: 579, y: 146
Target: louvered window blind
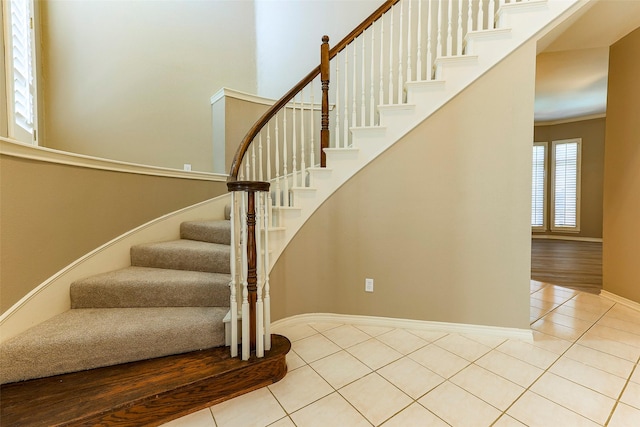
x: 538, y: 186
x: 566, y: 185
x: 21, y: 58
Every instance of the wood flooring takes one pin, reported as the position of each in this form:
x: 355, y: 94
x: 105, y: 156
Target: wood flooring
x: 573, y: 264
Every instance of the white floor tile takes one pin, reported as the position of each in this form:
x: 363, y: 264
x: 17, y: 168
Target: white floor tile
x: 411, y: 377
x: 375, y: 398
x: 593, y: 378
x: 427, y: 335
x: 346, y: 335
x: 284, y: 422
x: 488, y: 386
x: 488, y: 340
x: 625, y: 416
x: 373, y: 331
x: 402, y: 341
x: 294, y: 361
x: 575, y: 397
x: 529, y: 353
x: 631, y: 395
x: 324, y: 326
x: 415, y: 415
x: 439, y: 360
x: 559, y: 331
x: 601, y: 360
x: 635, y: 376
x: 609, y: 345
x: 548, y: 342
x: 510, y: 368
x: 315, y: 347
x: 299, y: 388
x: 340, y: 369
x: 201, y: 418
x: 507, y: 421
x: 567, y: 310
x: 374, y: 353
x: 331, y: 410
x: 536, y: 411
x: 265, y: 409
x: 463, y: 347
x: 476, y: 412
x: 295, y: 332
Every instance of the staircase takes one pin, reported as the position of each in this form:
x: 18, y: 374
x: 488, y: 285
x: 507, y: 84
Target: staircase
x: 171, y: 300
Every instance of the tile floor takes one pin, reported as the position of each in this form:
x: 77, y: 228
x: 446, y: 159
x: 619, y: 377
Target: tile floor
x: 581, y: 370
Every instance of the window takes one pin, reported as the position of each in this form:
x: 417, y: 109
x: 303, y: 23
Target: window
x: 565, y: 185
x: 19, y: 53
x: 538, y: 190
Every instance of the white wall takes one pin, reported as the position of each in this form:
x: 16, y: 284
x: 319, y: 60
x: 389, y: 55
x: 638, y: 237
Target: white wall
x: 289, y: 34
x: 132, y: 80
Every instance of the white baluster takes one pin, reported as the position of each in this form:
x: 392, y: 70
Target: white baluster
x: 269, y: 206
x: 449, y: 29
x: 363, y: 95
x: 259, y: 203
x: 246, y: 349
x: 277, y: 166
x: 409, y: 37
x: 354, y: 103
x: 312, y: 148
x: 491, y: 15
x: 429, y: 43
x: 267, y: 297
x: 337, y: 107
x: 345, y: 140
x: 253, y: 158
x: 260, y: 158
x: 459, y: 33
x: 400, y: 54
x: 303, y: 142
x: 391, y: 58
x: 419, y: 52
x: 246, y: 166
x: 285, y: 161
x: 381, y: 90
x: 372, y: 97
x: 481, y: 15
x: 470, y: 17
x: 439, y: 35
x: 233, y: 303
x: 294, y: 148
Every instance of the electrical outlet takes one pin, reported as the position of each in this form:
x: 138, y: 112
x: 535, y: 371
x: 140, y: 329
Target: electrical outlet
x: 187, y: 166
x: 368, y: 285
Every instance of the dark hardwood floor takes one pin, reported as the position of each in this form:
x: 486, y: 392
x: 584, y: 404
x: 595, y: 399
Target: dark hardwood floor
x: 573, y: 264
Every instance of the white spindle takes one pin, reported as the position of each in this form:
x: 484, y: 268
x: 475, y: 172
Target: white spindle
x: 480, y: 15
x: 337, y: 107
x: 459, y: 33
x: 233, y: 304
x: 253, y: 159
x: 277, y: 165
x: 285, y: 161
x: 419, y: 44
x: 245, y: 287
x: 491, y: 15
x: 246, y: 166
x: 260, y: 168
x: 267, y: 298
x: 470, y: 17
x: 294, y: 147
x: 312, y: 148
x: 354, y: 84
x: 269, y: 205
x: 372, y: 97
x: 429, y: 42
x: 391, y: 58
x: 259, y: 203
x: 409, y: 37
x: 381, y: 90
x: 345, y: 139
x: 363, y: 108
x: 439, y: 34
x: 400, y: 54
x: 303, y: 141
x: 449, y: 28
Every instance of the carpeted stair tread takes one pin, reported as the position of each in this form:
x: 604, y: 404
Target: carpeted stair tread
x: 207, y: 231
x: 83, y: 339
x: 183, y: 255
x: 151, y: 287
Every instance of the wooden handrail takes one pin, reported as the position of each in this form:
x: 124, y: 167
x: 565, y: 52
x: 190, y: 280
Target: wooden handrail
x: 282, y: 102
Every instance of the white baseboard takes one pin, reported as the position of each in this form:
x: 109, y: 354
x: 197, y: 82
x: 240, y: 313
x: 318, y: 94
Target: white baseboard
x: 424, y: 325
x: 620, y: 300
x: 574, y: 238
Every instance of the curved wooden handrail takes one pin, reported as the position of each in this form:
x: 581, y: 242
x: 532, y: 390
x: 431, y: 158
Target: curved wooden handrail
x: 282, y: 102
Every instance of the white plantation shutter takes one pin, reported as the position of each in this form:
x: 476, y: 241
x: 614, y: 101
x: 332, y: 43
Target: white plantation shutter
x: 20, y: 58
x: 566, y: 185
x: 538, y: 186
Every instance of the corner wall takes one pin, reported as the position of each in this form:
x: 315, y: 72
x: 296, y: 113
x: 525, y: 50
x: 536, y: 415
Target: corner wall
x: 441, y: 221
x: 621, y: 227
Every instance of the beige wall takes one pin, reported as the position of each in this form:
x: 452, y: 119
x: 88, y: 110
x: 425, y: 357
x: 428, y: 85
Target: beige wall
x: 592, y: 133
x: 132, y: 80
x: 621, y: 224
x: 441, y: 221
x: 52, y: 214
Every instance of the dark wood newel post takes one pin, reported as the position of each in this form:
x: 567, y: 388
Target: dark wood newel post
x: 324, y: 77
x: 251, y: 188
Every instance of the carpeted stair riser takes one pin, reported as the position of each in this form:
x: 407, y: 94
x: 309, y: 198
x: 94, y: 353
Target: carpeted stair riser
x: 89, y: 338
x: 183, y: 255
x: 151, y: 287
x: 207, y: 231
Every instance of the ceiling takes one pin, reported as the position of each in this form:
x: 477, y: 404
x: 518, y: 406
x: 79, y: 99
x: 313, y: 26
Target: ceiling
x: 572, y: 66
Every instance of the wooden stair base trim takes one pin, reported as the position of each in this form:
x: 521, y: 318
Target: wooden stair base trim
x: 150, y: 392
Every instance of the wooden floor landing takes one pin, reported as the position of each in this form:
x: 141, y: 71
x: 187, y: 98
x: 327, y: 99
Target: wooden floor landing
x: 146, y: 393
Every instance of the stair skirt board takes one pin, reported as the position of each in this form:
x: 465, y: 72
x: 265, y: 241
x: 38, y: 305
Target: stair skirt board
x: 390, y: 322
x: 150, y: 392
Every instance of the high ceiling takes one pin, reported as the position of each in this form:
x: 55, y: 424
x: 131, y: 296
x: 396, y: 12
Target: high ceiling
x: 572, y: 68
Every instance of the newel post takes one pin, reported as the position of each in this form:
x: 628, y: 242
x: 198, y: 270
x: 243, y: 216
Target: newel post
x: 324, y: 78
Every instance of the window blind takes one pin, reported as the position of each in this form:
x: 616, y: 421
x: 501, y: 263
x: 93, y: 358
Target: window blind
x: 566, y: 179
x: 21, y: 54
x: 538, y: 187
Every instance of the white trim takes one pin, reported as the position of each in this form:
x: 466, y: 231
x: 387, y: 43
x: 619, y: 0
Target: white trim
x: 389, y: 322
x: 13, y: 148
x: 571, y: 120
x: 552, y: 195
x: 51, y: 297
x: 620, y: 300
x: 244, y: 96
x: 575, y: 238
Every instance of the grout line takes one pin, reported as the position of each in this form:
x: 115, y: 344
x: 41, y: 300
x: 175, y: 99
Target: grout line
x: 615, y: 405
